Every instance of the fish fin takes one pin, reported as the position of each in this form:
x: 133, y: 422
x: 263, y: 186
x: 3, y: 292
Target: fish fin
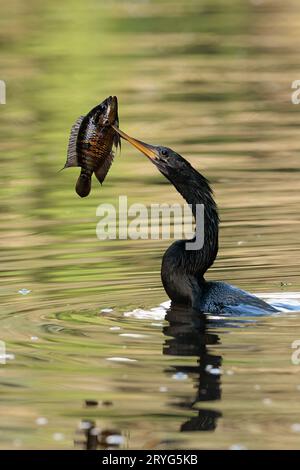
x: 117, y: 138
x: 117, y: 141
x: 102, y: 170
x: 72, y: 159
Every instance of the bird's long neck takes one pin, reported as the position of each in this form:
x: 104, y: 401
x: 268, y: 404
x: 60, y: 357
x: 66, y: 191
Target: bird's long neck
x: 198, y: 191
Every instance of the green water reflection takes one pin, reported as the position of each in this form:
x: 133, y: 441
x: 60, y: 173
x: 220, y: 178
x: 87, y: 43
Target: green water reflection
x: 213, y: 80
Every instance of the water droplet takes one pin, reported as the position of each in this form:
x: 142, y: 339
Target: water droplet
x: 115, y: 439
x: 95, y: 431
x: 267, y: 401
x: 295, y: 427
x: 237, y: 447
x: 24, y: 291
x: 213, y: 370
x: 6, y: 357
x: 83, y: 425
x: 180, y: 376
x: 41, y: 421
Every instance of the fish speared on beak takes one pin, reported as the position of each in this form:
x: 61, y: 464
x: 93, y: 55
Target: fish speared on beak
x: 149, y: 150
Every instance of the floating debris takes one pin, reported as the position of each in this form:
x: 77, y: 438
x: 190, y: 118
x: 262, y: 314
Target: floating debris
x: 120, y: 359
x: 285, y: 284
x: 229, y: 372
x: 237, y: 447
x: 6, y: 357
x: 91, y: 403
x: 107, y: 403
x: 24, y: 291
x: 95, y: 431
x: 107, y: 310
x: 267, y: 401
x: 91, y: 437
x: 58, y: 436
x: 85, y: 425
x: 163, y: 389
x: 295, y: 427
x: 115, y: 328
x: 180, y: 376
x: 212, y: 370
x: 85, y: 437
x: 41, y: 421
x: 34, y: 338
x: 115, y: 439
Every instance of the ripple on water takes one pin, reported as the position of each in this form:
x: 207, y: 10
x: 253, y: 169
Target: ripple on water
x: 155, y: 313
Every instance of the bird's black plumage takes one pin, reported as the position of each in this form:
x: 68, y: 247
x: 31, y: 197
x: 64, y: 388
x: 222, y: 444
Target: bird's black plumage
x: 183, y: 270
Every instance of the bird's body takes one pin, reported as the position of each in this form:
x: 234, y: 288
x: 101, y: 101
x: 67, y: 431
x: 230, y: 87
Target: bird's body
x: 183, y: 269
x: 190, y: 288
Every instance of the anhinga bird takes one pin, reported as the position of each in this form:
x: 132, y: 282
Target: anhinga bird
x: 183, y: 270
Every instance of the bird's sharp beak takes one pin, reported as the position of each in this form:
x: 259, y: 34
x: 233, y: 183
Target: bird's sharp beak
x: 149, y: 150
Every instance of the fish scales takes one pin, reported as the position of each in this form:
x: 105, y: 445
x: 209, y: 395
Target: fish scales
x: 91, y: 144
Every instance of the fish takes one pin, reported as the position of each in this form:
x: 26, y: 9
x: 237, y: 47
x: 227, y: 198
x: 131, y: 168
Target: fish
x: 92, y: 144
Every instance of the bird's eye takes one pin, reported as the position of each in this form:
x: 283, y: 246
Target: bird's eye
x: 164, y: 152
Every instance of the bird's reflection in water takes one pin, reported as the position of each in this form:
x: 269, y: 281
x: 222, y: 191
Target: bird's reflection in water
x: 90, y: 437
x: 188, y: 335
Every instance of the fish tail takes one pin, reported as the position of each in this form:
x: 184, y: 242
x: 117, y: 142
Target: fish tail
x: 83, y: 185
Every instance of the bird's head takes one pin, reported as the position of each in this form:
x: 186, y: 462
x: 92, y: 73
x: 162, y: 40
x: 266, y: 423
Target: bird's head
x: 169, y: 163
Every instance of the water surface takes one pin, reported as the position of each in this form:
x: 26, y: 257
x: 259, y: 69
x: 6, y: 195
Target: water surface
x: 211, y: 79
